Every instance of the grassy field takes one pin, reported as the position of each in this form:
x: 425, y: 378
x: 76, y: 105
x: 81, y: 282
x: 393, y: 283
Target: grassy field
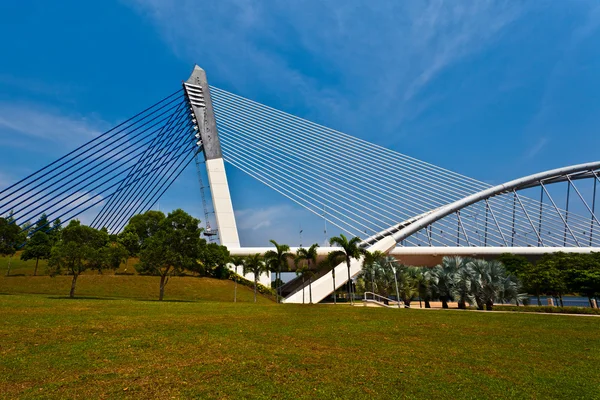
x: 54, y: 347
x: 116, y: 341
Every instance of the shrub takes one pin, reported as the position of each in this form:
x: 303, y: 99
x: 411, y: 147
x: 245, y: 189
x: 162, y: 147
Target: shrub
x: 549, y: 309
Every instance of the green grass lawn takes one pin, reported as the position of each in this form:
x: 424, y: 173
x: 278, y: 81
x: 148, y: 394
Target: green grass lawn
x: 52, y: 347
x: 117, y: 341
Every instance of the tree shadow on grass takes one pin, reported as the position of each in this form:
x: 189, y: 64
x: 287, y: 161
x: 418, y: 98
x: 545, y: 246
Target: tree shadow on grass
x: 81, y: 298
x: 168, y: 301
x: 14, y: 275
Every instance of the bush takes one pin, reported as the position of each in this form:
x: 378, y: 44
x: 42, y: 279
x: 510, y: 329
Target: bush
x: 260, y: 288
x: 550, y: 309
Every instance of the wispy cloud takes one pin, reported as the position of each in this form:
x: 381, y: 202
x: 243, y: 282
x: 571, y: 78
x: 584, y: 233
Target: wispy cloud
x: 32, y: 121
x: 539, y: 146
x: 378, y: 57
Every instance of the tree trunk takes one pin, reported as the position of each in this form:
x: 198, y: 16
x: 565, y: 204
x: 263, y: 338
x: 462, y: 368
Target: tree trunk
x: 349, y: 282
x: 462, y: 305
x: 73, y: 283
x: 37, y: 260
x: 235, y: 286
x: 8, y: 270
x: 278, y: 283
x: 310, y: 289
x: 255, y: 281
x: 561, y: 300
x: 489, y: 305
x: 420, y: 303
x: 303, y: 289
x: 427, y: 305
x: 444, y: 303
x: 537, y: 293
x: 333, y: 274
x: 163, y: 283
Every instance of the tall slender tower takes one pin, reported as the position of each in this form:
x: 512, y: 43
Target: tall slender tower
x: 198, y: 94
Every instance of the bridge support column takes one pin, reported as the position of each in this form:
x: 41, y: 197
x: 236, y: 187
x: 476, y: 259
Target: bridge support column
x: 198, y: 94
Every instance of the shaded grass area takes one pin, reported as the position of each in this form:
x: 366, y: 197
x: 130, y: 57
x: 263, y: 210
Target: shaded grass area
x: 131, y: 287
x: 61, y: 348
x: 109, y: 285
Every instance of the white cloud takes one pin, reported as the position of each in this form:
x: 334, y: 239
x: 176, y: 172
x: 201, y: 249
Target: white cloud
x: 34, y: 122
x: 378, y: 56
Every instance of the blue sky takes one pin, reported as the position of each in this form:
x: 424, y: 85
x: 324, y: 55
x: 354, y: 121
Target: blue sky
x: 490, y: 89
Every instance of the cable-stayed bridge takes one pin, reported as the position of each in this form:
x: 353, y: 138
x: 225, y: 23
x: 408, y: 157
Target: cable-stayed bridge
x: 393, y: 202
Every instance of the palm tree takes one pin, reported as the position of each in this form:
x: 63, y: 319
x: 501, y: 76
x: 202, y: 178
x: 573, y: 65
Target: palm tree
x: 444, y: 284
x: 490, y: 284
x: 310, y: 256
x: 333, y: 260
x: 370, y: 264
x: 279, y: 259
x: 255, y: 264
x: 349, y: 251
x: 236, y: 261
x: 424, y: 281
x: 301, y: 270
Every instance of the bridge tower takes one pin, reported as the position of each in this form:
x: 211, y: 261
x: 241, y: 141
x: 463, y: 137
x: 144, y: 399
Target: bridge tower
x: 198, y: 95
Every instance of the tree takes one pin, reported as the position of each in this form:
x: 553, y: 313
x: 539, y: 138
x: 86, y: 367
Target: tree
x: 301, y: 270
x: 444, y: 282
x: 279, y: 259
x: 424, y: 280
x: 145, y: 225
x: 370, y: 266
x: 237, y: 261
x: 169, y: 246
x: 56, y: 231
x: 76, y: 251
x: 9, y: 234
x: 213, y: 260
x: 334, y: 260
x: 349, y: 250
x: 255, y: 264
x: 131, y: 241
x: 115, y: 254
x: 310, y: 256
x: 38, y: 248
x: 487, y: 285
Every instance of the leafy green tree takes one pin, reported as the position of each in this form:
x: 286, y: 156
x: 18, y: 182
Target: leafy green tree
x: 76, y: 252
x: 256, y: 265
x: 551, y: 271
x: 38, y: 248
x: 115, y: 254
x: 9, y: 235
x: 131, y: 241
x: 516, y: 265
x: 55, y: 233
x: 213, y: 260
x: 310, y: 256
x: 278, y: 259
x: 349, y: 250
x: 145, y: 226
x: 170, y: 245
x: 237, y: 261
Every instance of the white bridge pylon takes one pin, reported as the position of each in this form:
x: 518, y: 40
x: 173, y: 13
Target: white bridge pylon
x: 365, y: 190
